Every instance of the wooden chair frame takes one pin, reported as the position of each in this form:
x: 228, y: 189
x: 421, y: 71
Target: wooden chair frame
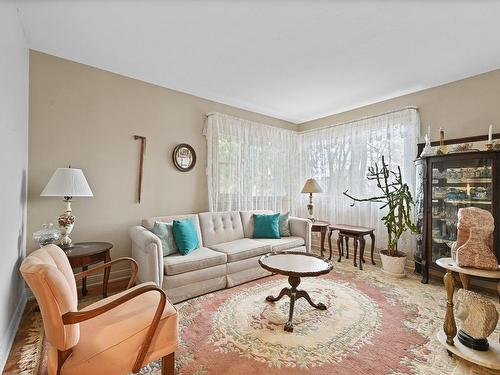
x: 168, y: 361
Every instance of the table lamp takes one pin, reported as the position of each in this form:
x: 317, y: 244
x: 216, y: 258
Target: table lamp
x: 67, y: 183
x: 311, y: 186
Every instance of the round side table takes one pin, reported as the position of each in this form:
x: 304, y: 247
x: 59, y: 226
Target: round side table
x: 84, y: 254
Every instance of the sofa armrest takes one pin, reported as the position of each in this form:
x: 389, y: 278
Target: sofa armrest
x: 148, y: 253
x: 301, y: 228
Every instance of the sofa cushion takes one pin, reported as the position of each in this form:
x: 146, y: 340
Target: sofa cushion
x: 196, y: 260
x: 266, y: 226
x: 149, y: 223
x: 284, y: 225
x: 242, y: 249
x: 185, y: 235
x: 164, y: 232
x: 219, y: 227
x: 247, y: 220
x: 284, y: 243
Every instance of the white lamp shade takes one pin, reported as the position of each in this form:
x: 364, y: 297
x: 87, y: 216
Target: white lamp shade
x: 311, y: 186
x: 67, y: 182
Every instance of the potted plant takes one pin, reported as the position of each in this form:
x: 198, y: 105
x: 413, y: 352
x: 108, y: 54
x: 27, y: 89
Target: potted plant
x: 397, y: 198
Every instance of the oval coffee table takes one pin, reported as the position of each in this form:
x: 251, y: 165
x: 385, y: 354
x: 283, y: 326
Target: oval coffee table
x: 295, y: 265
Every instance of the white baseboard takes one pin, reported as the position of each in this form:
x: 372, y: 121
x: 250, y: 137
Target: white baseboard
x: 92, y: 280
x: 7, y: 339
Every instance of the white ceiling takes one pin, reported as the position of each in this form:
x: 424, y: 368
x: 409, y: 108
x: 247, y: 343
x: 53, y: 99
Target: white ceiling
x: 295, y: 60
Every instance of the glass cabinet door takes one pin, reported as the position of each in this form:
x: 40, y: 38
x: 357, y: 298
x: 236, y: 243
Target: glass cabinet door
x: 456, y: 184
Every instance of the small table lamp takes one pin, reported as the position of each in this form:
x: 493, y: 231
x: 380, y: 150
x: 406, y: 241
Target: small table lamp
x: 67, y: 183
x: 311, y: 186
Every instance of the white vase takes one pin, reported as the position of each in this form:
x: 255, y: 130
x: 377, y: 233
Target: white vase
x: 394, y: 266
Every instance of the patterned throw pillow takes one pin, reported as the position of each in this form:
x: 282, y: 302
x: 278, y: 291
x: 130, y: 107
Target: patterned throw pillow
x: 164, y: 231
x: 284, y: 227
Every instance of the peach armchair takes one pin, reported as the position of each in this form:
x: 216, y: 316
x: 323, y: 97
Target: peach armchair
x: 117, y: 335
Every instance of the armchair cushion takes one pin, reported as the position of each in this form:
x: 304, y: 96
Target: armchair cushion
x: 48, y: 273
x: 109, y: 342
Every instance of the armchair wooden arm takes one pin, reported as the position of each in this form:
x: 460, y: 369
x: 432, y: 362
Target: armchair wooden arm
x: 135, y: 269
x: 80, y: 316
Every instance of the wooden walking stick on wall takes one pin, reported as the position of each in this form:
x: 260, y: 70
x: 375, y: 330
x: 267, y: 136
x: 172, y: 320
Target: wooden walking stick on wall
x: 141, y: 165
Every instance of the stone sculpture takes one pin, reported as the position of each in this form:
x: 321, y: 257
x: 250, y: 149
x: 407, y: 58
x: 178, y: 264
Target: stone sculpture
x: 477, y: 317
x: 474, y: 244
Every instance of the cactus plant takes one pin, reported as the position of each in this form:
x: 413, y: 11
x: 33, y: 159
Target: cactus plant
x: 396, y: 197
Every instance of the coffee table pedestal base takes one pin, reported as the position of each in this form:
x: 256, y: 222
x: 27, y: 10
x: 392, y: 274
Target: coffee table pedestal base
x: 294, y: 295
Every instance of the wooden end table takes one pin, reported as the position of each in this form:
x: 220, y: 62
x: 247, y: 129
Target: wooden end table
x: 446, y: 335
x: 322, y: 227
x: 358, y: 235
x: 84, y: 254
x: 295, y: 264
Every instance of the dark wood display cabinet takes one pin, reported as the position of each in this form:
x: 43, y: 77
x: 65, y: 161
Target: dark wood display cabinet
x: 445, y: 184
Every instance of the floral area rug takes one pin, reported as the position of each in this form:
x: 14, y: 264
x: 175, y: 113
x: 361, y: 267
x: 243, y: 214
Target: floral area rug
x: 373, y: 324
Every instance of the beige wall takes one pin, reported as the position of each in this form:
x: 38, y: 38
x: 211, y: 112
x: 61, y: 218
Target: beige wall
x: 463, y: 108
x: 87, y: 117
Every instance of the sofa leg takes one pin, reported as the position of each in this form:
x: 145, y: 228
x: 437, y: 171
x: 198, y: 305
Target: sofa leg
x: 168, y: 364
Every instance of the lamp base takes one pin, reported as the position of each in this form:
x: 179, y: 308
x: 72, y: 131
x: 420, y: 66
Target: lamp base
x: 310, y: 209
x: 66, y: 223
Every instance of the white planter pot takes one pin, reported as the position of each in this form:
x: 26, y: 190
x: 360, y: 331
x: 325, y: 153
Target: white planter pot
x: 394, y: 266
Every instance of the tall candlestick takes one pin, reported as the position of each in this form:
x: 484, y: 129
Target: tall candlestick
x: 490, y: 135
x: 429, y: 131
x: 443, y: 149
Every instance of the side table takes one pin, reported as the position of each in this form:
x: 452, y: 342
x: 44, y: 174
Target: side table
x: 358, y: 235
x: 84, y: 254
x: 322, y: 227
x: 446, y: 335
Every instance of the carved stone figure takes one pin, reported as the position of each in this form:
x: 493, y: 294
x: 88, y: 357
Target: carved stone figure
x: 475, y: 239
x: 477, y: 318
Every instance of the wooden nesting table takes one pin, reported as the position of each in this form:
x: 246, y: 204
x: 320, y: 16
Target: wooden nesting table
x: 322, y: 228
x: 358, y: 235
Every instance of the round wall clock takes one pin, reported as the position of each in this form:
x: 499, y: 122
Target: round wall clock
x: 184, y: 157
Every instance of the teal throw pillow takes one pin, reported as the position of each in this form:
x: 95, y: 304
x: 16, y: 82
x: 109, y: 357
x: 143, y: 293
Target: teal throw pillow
x: 266, y: 226
x: 164, y: 232
x: 284, y: 227
x: 185, y: 236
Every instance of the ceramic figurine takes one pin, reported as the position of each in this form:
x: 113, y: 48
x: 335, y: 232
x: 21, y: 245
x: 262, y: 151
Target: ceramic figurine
x: 474, y: 244
x: 477, y: 318
x: 428, y: 149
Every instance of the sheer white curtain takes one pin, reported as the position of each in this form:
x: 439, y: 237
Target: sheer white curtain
x: 339, y: 157
x: 250, y: 165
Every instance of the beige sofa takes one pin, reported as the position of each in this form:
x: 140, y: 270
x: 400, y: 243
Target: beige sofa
x: 228, y: 253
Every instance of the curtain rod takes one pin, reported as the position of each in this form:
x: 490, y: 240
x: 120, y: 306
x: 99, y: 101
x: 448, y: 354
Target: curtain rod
x: 359, y: 119
x: 345, y: 122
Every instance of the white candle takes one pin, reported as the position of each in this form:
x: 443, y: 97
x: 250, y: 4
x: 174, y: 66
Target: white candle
x: 429, y: 131
x: 490, y: 133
